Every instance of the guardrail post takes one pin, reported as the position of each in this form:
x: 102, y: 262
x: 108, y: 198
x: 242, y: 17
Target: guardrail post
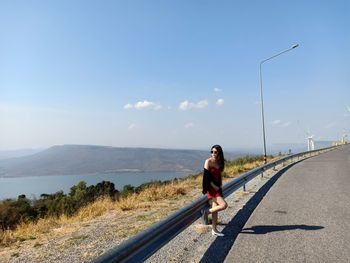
x: 244, y: 188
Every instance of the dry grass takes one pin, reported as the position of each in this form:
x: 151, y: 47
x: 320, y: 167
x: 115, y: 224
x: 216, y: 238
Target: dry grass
x: 168, y: 197
x: 95, y: 209
x: 44, y: 226
x: 135, y: 202
x: 155, y: 193
x: 7, y: 237
x: 233, y: 171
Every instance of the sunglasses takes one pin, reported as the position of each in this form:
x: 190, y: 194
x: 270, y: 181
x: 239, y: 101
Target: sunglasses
x: 216, y: 152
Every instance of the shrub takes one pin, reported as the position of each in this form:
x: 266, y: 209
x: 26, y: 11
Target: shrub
x: 13, y: 212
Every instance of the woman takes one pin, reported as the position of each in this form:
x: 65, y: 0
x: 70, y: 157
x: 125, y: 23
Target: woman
x: 212, y: 182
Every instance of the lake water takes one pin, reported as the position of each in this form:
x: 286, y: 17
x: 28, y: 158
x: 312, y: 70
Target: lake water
x: 34, y: 186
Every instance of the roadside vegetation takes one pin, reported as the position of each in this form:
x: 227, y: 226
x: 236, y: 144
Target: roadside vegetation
x: 25, y: 219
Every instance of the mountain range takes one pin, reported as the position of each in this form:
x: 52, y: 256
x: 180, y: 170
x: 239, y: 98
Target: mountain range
x: 87, y: 159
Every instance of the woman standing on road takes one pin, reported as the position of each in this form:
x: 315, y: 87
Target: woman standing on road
x: 212, y: 182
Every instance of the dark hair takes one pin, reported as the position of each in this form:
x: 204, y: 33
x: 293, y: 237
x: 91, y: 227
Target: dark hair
x: 221, y: 160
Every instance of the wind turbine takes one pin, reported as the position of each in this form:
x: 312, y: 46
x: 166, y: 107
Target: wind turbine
x: 310, y: 142
x: 342, y: 140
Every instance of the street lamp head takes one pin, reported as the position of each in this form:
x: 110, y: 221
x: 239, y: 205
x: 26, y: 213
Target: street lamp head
x: 295, y: 46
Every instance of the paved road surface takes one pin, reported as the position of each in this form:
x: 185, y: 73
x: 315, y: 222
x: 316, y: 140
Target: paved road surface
x: 305, y: 216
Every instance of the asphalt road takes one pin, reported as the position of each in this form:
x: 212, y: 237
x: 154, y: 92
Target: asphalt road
x: 304, y: 217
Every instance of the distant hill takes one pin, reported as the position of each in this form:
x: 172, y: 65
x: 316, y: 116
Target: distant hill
x: 296, y: 147
x: 85, y: 159
x: 18, y: 153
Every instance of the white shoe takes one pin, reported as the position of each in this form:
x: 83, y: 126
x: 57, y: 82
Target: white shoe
x: 219, y: 234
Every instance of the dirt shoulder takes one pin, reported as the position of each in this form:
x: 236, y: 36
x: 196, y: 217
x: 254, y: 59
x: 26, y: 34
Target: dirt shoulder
x: 81, y: 241
x: 84, y: 240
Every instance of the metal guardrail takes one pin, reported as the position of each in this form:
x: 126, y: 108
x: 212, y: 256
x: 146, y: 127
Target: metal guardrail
x: 143, y: 245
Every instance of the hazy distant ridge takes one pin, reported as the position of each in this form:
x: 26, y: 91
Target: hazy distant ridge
x: 83, y: 159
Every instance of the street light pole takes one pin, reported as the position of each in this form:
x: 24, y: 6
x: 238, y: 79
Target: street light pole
x: 261, y: 96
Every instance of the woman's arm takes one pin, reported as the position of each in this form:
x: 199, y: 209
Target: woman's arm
x: 206, y: 164
x: 206, y: 181
x: 207, y: 177
x: 216, y: 188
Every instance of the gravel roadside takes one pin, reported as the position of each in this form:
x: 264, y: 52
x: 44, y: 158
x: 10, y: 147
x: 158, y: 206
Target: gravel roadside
x: 195, y: 244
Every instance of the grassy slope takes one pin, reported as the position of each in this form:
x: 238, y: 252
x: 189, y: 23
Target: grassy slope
x: 142, y: 209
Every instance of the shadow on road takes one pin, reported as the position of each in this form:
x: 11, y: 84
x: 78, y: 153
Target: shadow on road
x: 219, y: 249
x: 261, y: 230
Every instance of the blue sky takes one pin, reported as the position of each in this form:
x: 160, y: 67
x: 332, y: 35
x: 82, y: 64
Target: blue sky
x: 172, y: 74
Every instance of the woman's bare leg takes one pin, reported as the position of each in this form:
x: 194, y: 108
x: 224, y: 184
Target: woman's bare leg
x: 220, y: 205
x: 214, y: 216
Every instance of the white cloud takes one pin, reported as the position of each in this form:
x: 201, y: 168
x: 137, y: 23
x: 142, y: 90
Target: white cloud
x: 189, y: 125
x: 348, y: 108
x: 186, y: 105
x: 202, y: 104
x: 140, y: 105
x: 217, y: 90
x: 286, y: 124
x: 128, y: 106
x: 132, y: 126
x: 147, y: 105
x: 220, y: 102
x: 280, y: 124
